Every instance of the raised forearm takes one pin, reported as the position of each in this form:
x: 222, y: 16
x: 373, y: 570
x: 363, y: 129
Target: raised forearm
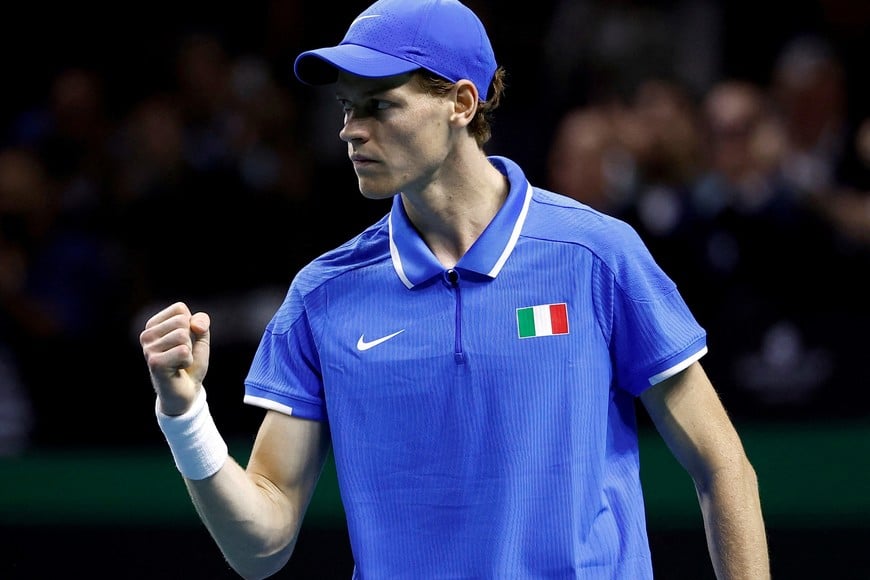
x: 249, y: 519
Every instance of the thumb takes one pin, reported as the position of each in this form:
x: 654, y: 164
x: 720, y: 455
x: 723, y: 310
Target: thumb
x: 200, y: 324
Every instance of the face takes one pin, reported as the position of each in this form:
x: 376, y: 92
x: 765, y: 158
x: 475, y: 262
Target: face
x: 397, y: 135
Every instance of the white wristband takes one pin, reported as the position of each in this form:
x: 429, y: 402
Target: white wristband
x: 197, y: 446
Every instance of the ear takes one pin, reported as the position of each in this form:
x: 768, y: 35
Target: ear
x: 465, y: 103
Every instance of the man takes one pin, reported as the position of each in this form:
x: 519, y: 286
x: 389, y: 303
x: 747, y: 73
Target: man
x: 473, y: 358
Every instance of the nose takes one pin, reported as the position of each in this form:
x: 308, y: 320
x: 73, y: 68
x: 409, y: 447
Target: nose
x: 352, y: 130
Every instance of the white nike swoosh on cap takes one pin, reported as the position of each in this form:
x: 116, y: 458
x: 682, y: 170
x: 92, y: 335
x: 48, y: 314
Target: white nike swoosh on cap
x: 366, y: 17
x: 361, y: 344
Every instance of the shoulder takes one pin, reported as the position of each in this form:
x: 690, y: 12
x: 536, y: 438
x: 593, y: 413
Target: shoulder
x: 558, y: 218
x: 617, y: 250
x: 370, y: 247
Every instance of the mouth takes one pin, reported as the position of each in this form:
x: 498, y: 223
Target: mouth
x: 362, y: 164
x: 361, y: 160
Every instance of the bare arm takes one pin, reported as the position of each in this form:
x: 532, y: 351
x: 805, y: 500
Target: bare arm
x: 691, y: 419
x: 254, y: 514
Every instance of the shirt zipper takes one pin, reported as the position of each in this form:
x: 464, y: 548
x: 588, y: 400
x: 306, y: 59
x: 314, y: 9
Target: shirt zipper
x: 452, y: 278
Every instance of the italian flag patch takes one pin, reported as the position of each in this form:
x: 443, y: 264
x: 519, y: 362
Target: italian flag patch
x: 542, y: 320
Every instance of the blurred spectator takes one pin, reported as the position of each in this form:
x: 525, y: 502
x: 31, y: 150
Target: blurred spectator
x: 267, y: 136
x: 63, y: 292
x: 69, y: 134
x: 825, y: 162
x: 767, y: 266
x: 16, y: 412
x: 808, y: 89
x: 21, y: 195
x: 848, y: 208
x: 589, y: 161
x: 26, y: 215
x: 669, y: 113
x: 203, y: 84
x: 635, y: 160
x: 598, y: 49
x: 664, y: 135
x: 744, y: 144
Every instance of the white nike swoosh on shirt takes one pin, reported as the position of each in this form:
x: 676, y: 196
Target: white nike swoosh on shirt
x: 361, y: 344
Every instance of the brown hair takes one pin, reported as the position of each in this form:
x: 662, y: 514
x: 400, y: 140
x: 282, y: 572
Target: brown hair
x: 481, y: 125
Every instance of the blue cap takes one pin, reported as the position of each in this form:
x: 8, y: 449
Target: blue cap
x: 393, y: 37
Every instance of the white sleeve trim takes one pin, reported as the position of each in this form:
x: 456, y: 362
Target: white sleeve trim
x: 668, y: 373
x: 268, y: 404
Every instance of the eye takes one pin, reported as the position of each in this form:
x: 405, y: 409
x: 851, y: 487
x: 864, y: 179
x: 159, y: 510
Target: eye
x: 365, y: 108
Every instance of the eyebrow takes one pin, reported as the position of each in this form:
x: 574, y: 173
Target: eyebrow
x: 364, y: 95
x: 379, y: 86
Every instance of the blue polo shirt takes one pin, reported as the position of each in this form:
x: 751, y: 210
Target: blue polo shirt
x: 482, y: 417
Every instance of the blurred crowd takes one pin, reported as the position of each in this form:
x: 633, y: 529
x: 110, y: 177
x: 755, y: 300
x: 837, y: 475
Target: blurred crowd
x: 218, y: 176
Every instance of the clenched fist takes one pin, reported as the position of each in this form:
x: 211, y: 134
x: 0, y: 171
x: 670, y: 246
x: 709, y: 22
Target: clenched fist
x: 176, y: 348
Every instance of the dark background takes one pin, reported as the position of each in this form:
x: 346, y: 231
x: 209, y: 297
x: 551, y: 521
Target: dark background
x: 87, y: 398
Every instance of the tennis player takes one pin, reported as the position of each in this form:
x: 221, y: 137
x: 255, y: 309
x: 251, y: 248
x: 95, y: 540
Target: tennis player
x: 473, y: 359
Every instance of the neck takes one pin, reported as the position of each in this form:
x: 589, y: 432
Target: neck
x: 455, y: 209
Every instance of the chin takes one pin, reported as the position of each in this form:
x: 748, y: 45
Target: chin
x: 369, y: 191
x: 377, y: 196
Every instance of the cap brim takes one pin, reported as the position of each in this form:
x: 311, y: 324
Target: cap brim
x: 321, y: 66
